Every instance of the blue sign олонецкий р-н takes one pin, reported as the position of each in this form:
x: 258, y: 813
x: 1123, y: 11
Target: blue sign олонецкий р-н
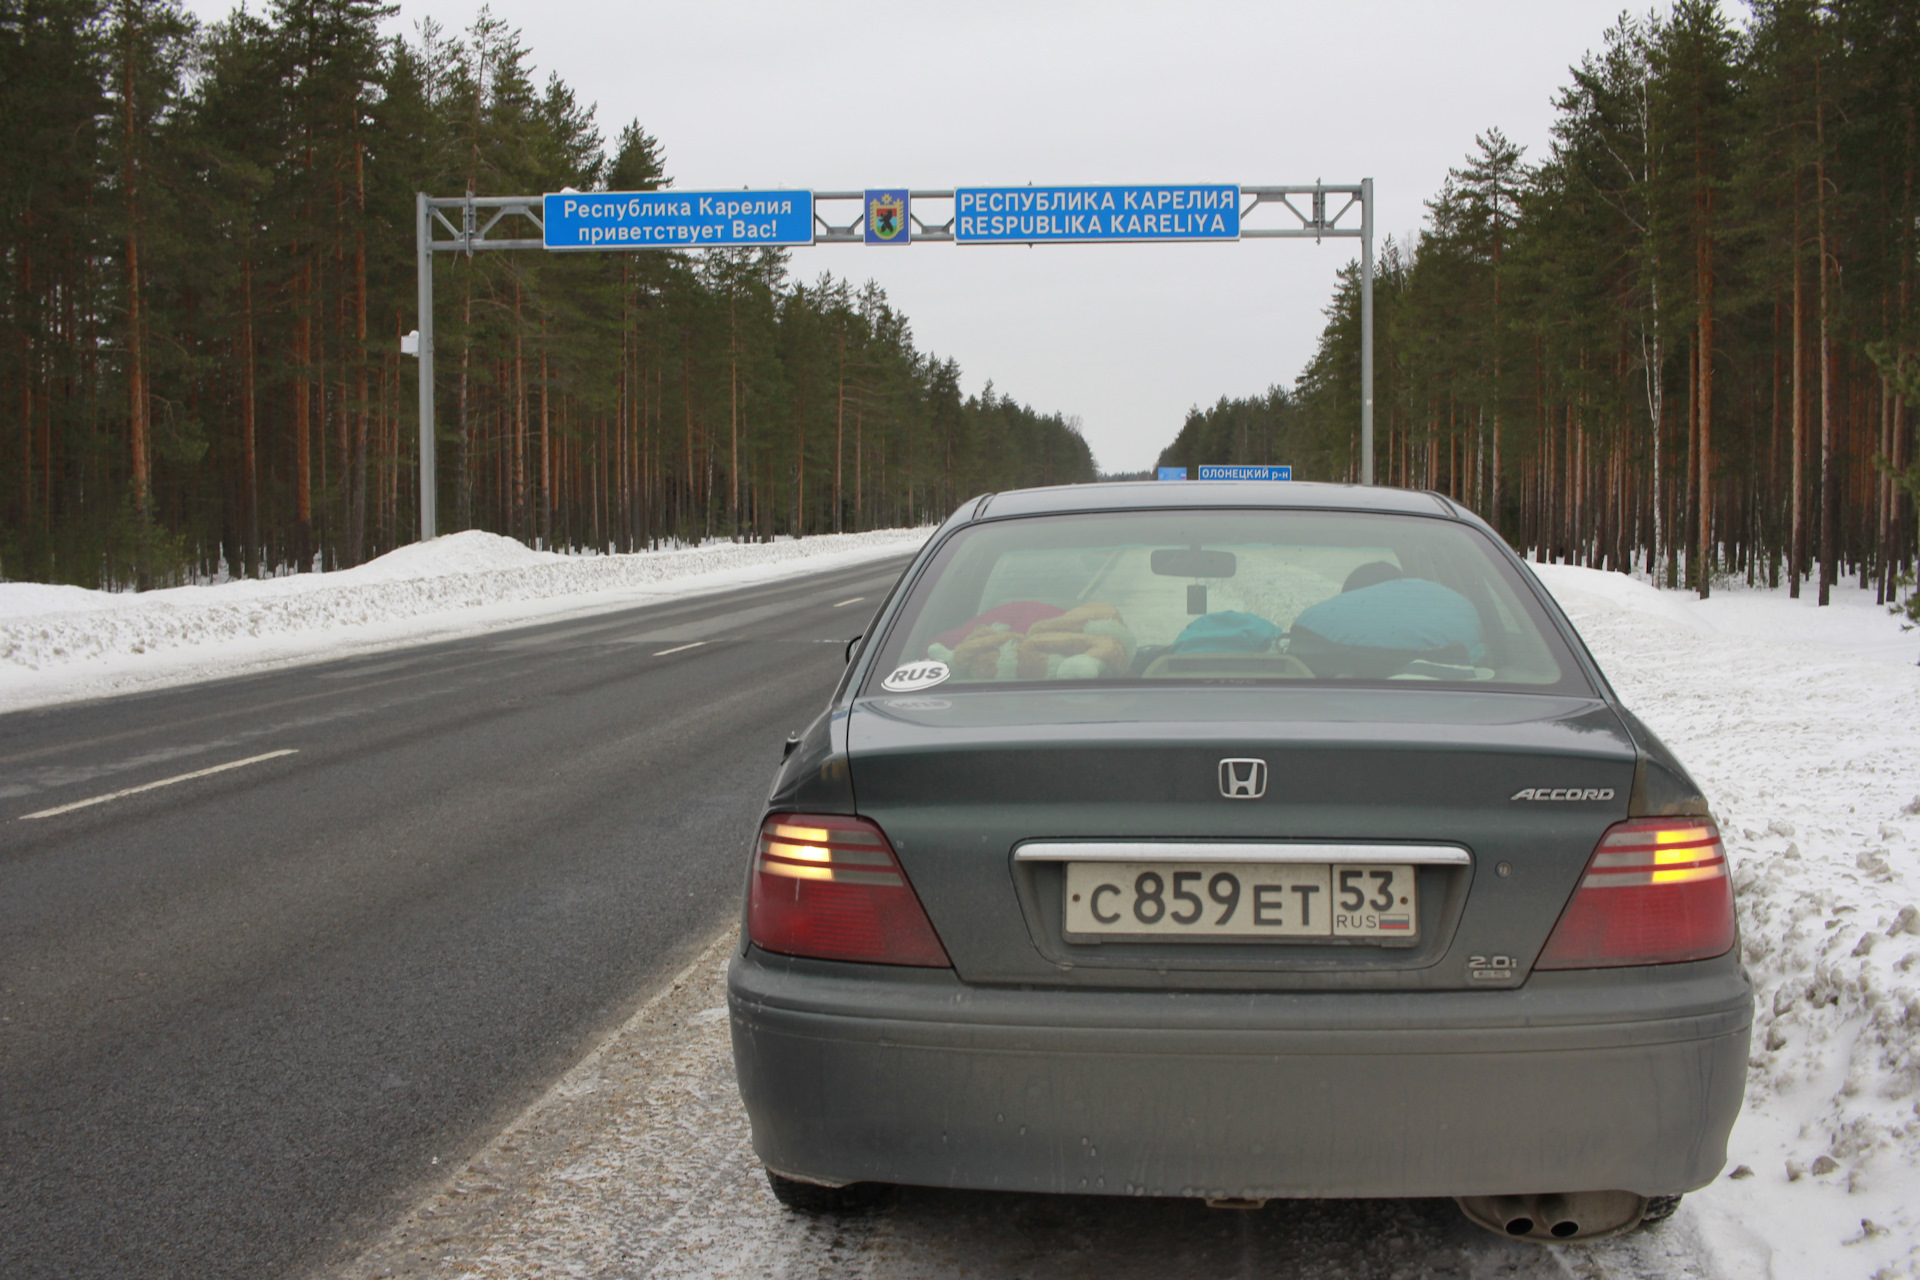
x: 1214, y: 472
x: 1041, y: 215
x: 677, y: 219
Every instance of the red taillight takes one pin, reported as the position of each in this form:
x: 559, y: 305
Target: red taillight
x: 1655, y: 892
x: 829, y: 887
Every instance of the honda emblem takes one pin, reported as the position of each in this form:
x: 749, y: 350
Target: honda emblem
x: 1243, y: 779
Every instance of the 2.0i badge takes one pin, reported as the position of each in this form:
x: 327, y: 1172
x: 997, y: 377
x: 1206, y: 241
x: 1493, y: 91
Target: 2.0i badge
x: 1492, y: 970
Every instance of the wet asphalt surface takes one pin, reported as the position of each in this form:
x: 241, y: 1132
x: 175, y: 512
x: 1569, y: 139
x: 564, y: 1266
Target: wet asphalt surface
x: 244, y: 1018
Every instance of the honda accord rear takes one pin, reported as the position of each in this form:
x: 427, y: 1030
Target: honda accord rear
x: 1237, y: 841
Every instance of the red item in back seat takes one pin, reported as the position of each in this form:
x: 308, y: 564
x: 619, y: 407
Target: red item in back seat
x: 1017, y: 614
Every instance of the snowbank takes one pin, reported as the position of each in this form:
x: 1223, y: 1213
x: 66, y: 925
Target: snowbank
x: 60, y: 643
x: 1802, y: 725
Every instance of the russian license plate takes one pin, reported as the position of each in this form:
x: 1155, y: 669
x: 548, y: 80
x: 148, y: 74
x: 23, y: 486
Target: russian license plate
x: 1201, y: 900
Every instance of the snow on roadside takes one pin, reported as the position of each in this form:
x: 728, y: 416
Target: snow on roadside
x: 1802, y: 725
x: 60, y: 643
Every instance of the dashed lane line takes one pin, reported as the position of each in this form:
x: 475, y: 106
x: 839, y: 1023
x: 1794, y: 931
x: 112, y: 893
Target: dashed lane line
x: 844, y: 603
x: 164, y: 782
x: 679, y: 648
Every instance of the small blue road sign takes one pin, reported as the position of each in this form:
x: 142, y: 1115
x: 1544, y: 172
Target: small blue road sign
x: 886, y: 221
x: 677, y: 219
x: 1065, y: 215
x: 1246, y: 473
x: 1172, y: 473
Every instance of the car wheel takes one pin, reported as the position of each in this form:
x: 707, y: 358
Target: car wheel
x: 809, y: 1197
x: 1659, y: 1209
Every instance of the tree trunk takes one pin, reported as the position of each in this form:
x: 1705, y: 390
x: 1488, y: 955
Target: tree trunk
x: 137, y: 406
x: 302, y: 422
x: 1690, y: 487
x: 518, y: 497
x: 463, y: 443
x: 1797, y: 540
x: 1773, y: 456
x: 546, y: 444
x: 733, y: 415
x: 25, y: 264
x: 1704, y: 469
x: 1883, y: 496
x: 249, y: 447
x: 1829, y: 480
x: 840, y: 435
x: 357, y: 464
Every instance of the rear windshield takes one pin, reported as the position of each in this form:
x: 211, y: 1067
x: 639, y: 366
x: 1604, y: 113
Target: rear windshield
x: 1222, y: 596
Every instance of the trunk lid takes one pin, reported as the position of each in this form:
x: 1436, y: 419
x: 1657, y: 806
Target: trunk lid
x: 960, y: 783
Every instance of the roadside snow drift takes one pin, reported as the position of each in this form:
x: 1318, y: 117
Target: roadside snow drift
x: 60, y: 643
x: 1802, y: 725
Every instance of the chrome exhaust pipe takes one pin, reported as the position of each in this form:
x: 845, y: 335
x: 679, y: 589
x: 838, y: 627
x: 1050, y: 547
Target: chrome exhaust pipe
x: 1515, y: 1214
x: 1555, y: 1215
x: 1550, y: 1217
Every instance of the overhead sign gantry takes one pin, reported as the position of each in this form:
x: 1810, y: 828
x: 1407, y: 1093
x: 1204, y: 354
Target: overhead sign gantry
x: 588, y: 221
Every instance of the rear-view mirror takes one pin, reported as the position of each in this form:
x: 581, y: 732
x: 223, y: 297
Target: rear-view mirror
x: 1192, y: 562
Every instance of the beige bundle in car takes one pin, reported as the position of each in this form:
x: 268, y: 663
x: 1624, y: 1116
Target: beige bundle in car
x: 1086, y: 641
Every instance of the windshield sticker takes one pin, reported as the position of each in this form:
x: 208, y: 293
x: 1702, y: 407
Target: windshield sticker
x: 915, y: 675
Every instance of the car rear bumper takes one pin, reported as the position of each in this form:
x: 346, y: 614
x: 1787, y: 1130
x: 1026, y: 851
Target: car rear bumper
x: 1574, y: 1082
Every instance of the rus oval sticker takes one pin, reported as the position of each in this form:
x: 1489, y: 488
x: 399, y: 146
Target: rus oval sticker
x: 915, y: 675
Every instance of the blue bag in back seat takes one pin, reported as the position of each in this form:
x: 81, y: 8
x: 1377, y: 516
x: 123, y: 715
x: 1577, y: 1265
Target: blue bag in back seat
x: 1402, y: 619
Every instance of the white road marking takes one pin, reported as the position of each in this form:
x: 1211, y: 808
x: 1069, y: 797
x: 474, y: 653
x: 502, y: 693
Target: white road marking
x: 553, y: 637
x: 377, y: 669
x: 678, y: 648
x: 164, y: 782
x: 844, y: 603
x: 707, y: 628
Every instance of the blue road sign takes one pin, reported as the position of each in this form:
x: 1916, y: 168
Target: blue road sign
x: 1172, y: 473
x: 677, y: 219
x: 1246, y: 473
x: 1064, y: 215
x: 886, y: 220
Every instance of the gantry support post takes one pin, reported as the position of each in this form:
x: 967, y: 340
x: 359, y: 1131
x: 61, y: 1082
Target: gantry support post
x: 1366, y: 331
x: 469, y: 236
x: 423, y: 251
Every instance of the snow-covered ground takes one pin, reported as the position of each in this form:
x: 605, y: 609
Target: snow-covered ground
x: 62, y: 643
x: 1802, y: 725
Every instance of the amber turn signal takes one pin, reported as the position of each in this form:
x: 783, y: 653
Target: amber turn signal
x: 828, y: 887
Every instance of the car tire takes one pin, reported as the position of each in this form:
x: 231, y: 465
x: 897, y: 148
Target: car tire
x: 809, y: 1197
x: 1659, y: 1209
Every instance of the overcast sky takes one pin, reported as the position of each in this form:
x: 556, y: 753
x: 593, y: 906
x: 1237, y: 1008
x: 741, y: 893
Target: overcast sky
x: 1126, y: 337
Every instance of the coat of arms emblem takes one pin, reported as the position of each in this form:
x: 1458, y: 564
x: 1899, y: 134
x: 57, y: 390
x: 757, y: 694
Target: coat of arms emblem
x: 886, y: 217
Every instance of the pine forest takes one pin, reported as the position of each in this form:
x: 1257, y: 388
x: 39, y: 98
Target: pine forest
x: 1684, y: 341
x: 208, y: 240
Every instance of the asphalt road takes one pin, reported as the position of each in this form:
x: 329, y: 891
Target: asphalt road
x: 246, y: 1016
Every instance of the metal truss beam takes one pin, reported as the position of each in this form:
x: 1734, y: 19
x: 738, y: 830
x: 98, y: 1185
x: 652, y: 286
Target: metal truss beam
x: 471, y: 234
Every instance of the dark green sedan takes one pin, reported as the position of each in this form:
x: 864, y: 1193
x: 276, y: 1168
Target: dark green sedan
x: 1237, y: 841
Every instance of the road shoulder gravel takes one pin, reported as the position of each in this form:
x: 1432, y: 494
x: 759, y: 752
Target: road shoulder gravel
x: 613, y: 1141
